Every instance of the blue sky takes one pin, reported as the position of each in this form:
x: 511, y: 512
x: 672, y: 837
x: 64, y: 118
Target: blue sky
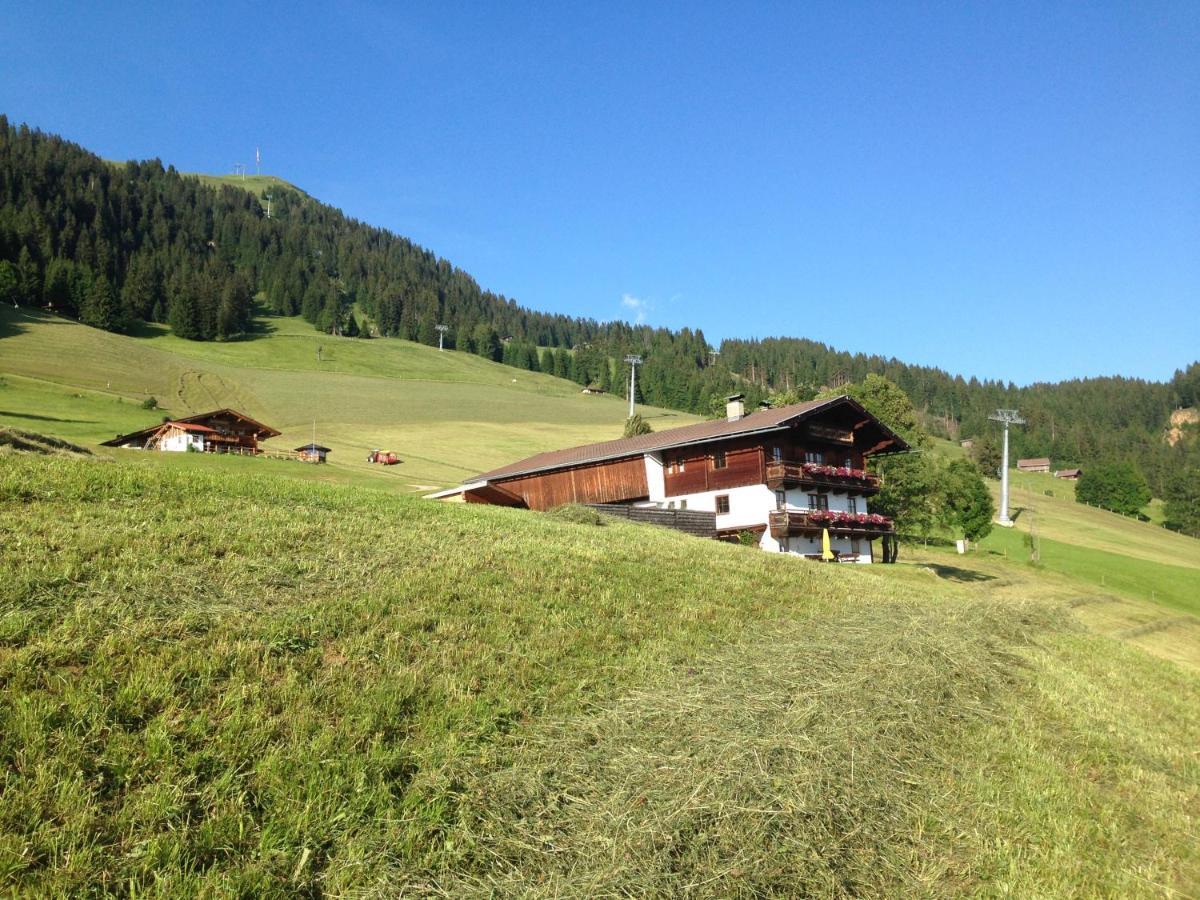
x: 1001, y: 189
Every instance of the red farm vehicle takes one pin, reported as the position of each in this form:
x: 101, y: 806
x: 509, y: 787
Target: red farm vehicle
x: 383, y: 457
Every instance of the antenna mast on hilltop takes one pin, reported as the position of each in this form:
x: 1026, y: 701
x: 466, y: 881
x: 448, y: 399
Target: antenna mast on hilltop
x: 441, y: 330
x: 634, y: 361
x: 1005, y: 417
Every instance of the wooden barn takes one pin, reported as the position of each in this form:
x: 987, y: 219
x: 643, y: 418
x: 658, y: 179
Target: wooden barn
x: 1039, y: 464
x: 219, y: 431
x: 785, y: 476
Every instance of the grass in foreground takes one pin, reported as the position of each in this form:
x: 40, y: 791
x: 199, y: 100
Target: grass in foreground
x: 212, y: 682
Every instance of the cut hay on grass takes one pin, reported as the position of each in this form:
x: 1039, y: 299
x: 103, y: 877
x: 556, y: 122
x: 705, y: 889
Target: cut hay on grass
x: 215, y: 682
x: 16, y: 440
x: 795, y: 765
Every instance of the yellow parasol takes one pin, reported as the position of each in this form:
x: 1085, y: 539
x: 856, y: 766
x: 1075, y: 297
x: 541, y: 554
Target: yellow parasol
x: 826, y: 550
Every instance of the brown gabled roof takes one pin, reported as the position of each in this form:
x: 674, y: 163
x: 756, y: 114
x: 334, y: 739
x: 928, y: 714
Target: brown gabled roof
x: 762, y: 421
x: 265, y: 430
x: 192, y: 423
x: 1039, y: 461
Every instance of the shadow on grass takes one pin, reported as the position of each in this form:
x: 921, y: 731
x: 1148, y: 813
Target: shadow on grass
x: 260, y: 327
x: 954, y: 573
x: 17, y: 415
x: 10, y: 324
x: 140, y: 329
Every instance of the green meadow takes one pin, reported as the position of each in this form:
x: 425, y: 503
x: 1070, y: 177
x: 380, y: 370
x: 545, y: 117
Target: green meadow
x: 227, y: 676
x: 255, y: 184
x: 448, y: 415
x: 220, y: 683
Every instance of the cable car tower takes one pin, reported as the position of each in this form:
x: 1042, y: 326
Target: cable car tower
x: 1005, y: 417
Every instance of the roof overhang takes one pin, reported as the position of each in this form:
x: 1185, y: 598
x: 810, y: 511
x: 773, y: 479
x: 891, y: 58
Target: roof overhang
x: 484, y: 491
x: 455, y: 491
x: 891, y: 443
x: 632, y: 454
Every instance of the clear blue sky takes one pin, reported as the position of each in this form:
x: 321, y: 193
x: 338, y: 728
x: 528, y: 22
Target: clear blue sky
x: 999, y: 189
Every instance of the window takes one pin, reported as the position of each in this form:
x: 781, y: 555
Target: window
x: 855, y: 547
x: 852, y: 505
x: 781, y: 500
x: 670, y: 504
x: 670, y: 465
x: 777, y: 454
x: 722, y: 504
x: 784, y: 546
x: 683, y: 504
x: 718, y: 459
x: 849, y: 463
x: 814, y: 456
x: 818, y: 501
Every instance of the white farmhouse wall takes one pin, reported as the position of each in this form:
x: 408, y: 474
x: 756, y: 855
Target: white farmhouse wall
x: 180, y: 441
x: 656, y: 484
x: 751, y: 506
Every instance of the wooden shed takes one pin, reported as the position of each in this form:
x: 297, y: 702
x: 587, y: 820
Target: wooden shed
x: 312, y: 453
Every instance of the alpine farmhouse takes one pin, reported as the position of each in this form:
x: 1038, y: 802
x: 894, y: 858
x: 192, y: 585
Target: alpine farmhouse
x: 783, y: 475
x: 219, y: 431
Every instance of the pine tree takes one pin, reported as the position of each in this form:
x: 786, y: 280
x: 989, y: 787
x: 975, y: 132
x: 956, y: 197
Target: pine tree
x: 29, y: 279
x: 102, y: 309
x: 10, y: 288
x: 56, y: 292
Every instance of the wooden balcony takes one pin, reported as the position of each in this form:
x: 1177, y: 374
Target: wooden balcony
x: 783, y: 474
x: 788, y: 523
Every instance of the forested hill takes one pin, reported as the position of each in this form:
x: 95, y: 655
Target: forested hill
x: 115, y: 244
x: 1072, y: 422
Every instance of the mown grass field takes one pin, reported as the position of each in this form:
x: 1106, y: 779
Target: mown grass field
x: 448, y: 415
x: 214, y: 682
x: 245, y: 676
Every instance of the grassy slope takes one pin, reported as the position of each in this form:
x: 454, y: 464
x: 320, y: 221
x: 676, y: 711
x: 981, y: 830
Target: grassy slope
x: 346, y: 691
x: 1111, y: 553
x: 255, y: 184
x: 449, y: 415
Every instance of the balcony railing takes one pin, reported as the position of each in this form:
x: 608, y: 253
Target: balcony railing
x: 782, y: 473
x: 786, y: 522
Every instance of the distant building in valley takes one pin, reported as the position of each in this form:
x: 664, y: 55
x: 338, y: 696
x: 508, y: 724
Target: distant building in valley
x: 313, y: 453
x: 219, y: 431
x: 967, y: 444
x: 1041, y: 464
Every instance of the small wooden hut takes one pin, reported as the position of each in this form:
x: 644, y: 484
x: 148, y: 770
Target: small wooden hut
x: 312, y: 453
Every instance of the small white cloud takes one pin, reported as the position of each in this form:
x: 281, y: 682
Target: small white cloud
x: 636, y: 306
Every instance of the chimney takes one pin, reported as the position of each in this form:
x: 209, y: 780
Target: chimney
x: 735, y: 408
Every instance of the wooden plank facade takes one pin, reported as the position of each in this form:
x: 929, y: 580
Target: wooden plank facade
x: 609, y: 482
